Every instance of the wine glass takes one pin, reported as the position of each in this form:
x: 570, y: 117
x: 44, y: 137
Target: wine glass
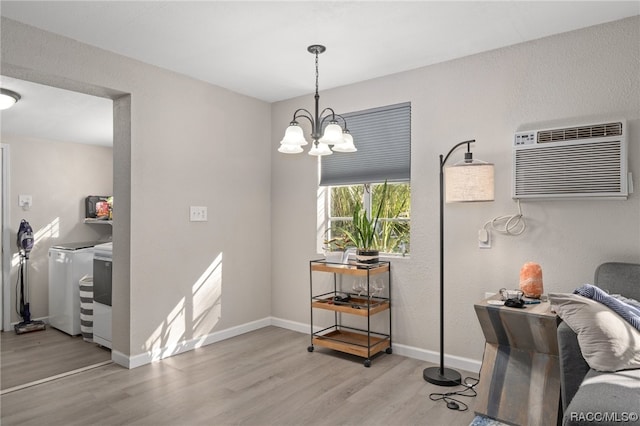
x: 378, y: 287
x: 358, y: 286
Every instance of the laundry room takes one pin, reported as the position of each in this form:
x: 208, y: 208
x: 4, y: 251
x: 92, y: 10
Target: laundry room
x: 59, y: 180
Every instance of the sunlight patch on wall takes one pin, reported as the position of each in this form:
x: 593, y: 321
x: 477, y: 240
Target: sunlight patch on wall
x: 192, y: 319
x: 207, y: 298
x: 50, y: 230
x: 163, y: 341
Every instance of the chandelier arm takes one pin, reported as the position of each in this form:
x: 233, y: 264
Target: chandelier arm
x: 322, y: 120
x: 308, y: 117
x: 323, y: 117
x: 333, y: 118
x: 306, y: 114
x: 333, y: 113
x: 303, y: 113
x: 344, y: 120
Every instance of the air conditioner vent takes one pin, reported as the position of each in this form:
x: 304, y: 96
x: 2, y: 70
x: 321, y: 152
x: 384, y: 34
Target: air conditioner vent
x: 584, y: 161
x: 582, y: 132
x: 568, y: 169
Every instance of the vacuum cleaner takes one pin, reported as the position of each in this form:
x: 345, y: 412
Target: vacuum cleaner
x: 25, y: 244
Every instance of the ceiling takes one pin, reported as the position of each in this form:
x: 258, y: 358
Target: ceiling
x: 48, y: 113
x: 259, y: 48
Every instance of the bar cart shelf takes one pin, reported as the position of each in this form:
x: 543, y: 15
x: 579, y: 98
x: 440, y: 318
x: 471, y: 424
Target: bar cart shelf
x: 362, y: 342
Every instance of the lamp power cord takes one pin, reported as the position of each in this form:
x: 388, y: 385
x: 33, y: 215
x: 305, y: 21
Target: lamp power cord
x: 453, y: 398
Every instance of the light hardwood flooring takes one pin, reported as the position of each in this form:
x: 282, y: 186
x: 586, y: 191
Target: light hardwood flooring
x: 29, y: 357
x: 265, y: 377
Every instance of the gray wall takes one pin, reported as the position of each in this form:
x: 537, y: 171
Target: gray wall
x: 185, y: 143
x: 487, y: 97
x: 190, y: 144
x: 58, y: 175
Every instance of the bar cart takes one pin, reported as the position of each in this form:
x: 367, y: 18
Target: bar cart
x: 366, y: 301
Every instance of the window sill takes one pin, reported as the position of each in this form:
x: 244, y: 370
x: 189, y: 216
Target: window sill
x: 386, y: 257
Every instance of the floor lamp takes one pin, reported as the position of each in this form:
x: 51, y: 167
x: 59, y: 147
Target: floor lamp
x: 467, y: 181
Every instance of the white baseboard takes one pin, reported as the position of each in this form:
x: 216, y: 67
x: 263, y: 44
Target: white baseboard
x: 452, y: 361
x: 121, y: 359
x: 43, y: 319
x: 167, y: 351
x: 293, y: 325
x: 126, y: 361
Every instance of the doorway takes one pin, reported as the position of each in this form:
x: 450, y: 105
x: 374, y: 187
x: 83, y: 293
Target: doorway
x: 35, y: 339
x: 4, y: 234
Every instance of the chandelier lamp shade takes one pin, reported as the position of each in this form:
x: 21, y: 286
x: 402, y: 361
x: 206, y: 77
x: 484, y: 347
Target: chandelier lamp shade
x: 468, y: 181
x: 8, y: 98
x: 327, y: 134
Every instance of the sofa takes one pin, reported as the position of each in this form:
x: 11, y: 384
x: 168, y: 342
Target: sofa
x: 590, y: 396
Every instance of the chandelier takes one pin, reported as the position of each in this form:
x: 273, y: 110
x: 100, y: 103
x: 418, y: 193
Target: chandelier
x: 334, y: 135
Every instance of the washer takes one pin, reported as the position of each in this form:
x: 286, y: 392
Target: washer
x: 68, y: 263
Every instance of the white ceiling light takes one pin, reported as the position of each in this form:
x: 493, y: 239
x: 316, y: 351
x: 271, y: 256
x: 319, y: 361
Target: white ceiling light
x: 8, y: 98
x: 334, y: 134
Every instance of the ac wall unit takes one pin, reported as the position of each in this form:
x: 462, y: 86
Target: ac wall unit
x: 571, y: 162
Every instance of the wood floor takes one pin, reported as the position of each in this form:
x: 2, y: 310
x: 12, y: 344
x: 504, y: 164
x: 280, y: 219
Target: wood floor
x: 37, y: 355
x: 265, y: 377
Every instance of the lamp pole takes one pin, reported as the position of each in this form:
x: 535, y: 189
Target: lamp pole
x: 442, y: 376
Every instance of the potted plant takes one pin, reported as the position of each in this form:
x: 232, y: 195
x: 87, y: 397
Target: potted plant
x: 364, y: 232
x: 334, y: 248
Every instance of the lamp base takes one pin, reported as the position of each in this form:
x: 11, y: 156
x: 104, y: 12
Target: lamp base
x: 444, y: 377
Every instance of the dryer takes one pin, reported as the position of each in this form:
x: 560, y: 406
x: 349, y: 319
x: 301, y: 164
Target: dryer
x: 102, y: 317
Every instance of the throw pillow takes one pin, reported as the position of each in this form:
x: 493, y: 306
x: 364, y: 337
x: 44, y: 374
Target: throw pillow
x: 607, y: 341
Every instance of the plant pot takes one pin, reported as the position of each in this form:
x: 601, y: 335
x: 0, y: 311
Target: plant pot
x: 334, y: 256
x: 367, y: 256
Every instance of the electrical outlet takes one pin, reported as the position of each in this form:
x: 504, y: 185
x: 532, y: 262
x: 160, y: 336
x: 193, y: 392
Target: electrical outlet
x: 484, y: 239
x: 198, y: 213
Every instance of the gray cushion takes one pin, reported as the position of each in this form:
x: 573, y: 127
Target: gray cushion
x: 610, y: 394
x: 606, y: 399
x: 619, y: 278
x: 573, y: 367
x: 607, y: 341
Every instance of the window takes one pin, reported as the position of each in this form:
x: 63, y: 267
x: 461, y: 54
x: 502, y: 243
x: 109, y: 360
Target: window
x: 383, y: 138
x: 394, y: 220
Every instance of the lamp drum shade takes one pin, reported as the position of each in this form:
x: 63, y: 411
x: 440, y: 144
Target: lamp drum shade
x: 467, y: 182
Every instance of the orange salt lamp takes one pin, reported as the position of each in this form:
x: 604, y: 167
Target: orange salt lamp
x: 531, y: 280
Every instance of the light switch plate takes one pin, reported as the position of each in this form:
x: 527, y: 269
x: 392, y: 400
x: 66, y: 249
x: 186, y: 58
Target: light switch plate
x: 25, y: 201
x: 198, y: 213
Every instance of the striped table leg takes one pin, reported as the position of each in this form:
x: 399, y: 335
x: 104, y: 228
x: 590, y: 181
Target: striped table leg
x: 520, y: 374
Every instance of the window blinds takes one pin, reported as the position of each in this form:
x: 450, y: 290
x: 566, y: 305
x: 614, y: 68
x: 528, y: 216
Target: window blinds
x: 383, y: 138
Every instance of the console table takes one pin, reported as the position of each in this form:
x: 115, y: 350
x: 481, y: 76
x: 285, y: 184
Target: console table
x: 520, y: 373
